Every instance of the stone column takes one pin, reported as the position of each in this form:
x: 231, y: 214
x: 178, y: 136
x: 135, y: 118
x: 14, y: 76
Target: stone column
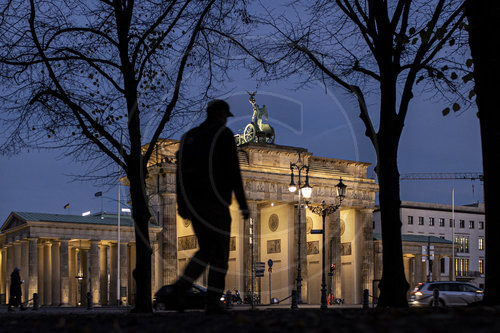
x: 113, y: 274
x: 103, y: 274
x: 132, y: 265
x: 64, y: 272
x: 123, y: 269
x: 47, y: 273
x: 56, y: 273
x: 84, y: 283
x: 168, y: 238
x: 419, y: 268
x: 73, y: 271
x: 41, y: 275
x: 25, y: 269
x: 367, y: 264
x: 155, y: 271
x: 2, y: 273
x: 333, y: 234
x: 5, y: 273
x: 247, y: 246
x: 94, y: 271
x: 9, y: 268
x: 32, y: 278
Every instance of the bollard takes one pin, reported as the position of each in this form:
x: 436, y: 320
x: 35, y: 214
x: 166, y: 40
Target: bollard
x: 435, y: 297
x: 229, y: 299
x: 294, y: 300
x: 89, y: 301
x: 365, y: 299
x: 35, y: 301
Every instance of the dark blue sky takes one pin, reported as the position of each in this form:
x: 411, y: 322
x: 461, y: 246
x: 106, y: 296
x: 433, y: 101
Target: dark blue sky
x: 324, y: 122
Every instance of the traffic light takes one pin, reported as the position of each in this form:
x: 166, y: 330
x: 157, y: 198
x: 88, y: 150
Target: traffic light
x: 332, y: 268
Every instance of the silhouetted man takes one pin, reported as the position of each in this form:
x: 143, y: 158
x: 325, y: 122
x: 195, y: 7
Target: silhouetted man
x: 15, y: 290
x: 208, y: 172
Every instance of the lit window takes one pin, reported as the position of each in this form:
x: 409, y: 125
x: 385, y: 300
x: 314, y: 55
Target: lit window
x: 462, y: 243
x: 480, y: 225
x: 462, y: 267
x: 410, y: 219
x: 481, y: 266
x: 471, y: 224
x: 481, y: 244
x: 420, y: 220
x: 431, y: 221
x: 441, y: 222
x: 462, y: 223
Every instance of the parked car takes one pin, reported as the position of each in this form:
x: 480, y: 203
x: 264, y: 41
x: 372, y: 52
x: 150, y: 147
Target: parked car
x: 164, y: 298
x: 451, y: 293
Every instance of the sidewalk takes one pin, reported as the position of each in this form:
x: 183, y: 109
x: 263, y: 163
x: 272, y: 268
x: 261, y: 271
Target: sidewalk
x: 264, y: 319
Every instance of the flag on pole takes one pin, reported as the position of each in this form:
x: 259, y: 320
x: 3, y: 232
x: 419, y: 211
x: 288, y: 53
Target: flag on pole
x: 66, y: 205
x: 98, y: 194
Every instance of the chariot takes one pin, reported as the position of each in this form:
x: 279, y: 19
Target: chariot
x: 256, y: 131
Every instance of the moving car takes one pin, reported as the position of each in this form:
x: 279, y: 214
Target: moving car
x: 451, y: 293
x: 194, y: 298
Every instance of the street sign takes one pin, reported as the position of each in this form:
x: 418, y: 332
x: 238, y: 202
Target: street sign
x: 260, y: 265
x: 316, y: 231
x: 270, y: 263
x: 259, y: 268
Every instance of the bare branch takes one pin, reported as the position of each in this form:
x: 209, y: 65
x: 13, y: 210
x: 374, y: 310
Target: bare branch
x: 178, y: 83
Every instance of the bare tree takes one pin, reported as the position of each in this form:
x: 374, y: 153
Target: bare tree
x: 104, y: 79
x: 379, y: 50
x: 483, y: 29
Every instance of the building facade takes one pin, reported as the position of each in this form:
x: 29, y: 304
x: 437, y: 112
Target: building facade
x: 274, y: 214
x: 64, y: 257
x: 424, y: 220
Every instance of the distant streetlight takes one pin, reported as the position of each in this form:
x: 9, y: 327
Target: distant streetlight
x: 325, y: 210
x: 306, y: 192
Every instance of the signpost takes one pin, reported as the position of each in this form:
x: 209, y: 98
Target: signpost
x: 270, y: 264
x: 428, y: 255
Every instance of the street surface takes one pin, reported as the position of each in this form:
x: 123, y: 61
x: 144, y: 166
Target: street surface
x: 243, y: 319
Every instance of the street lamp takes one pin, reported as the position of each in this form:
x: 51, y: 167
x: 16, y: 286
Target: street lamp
x: 323, y: 211
x: 304, y: 191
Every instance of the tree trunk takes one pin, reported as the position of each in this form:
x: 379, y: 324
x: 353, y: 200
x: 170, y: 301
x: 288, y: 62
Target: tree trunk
x: 141, y: 216
x: 393, y: 286
x: 483, y: 17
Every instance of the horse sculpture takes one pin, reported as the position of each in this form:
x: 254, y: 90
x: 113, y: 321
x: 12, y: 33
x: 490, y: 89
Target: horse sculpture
x: 256, y: 131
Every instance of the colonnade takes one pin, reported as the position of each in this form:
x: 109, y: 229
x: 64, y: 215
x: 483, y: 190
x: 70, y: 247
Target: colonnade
x: 62, y: 271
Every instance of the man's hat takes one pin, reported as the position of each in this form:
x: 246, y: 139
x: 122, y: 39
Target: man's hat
x: 218, y: 107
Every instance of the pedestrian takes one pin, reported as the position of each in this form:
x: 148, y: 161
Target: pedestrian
x: 208, y: 173
x: 15, y: 290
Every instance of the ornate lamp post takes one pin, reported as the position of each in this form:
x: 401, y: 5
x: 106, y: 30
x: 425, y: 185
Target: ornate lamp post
x: 304, y: 191
x: 325, y: 210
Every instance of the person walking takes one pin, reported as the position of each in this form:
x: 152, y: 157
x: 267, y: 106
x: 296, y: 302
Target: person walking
x: 208, y: 173
x: 15, y: 290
